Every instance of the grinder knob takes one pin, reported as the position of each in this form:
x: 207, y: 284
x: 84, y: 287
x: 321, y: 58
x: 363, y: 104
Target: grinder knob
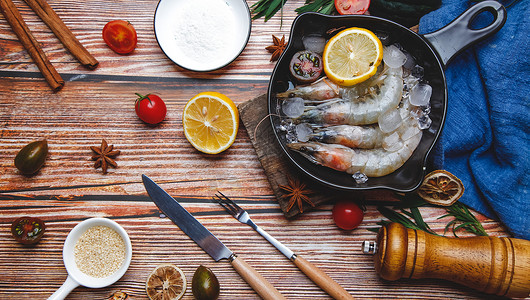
x: 492, y: 265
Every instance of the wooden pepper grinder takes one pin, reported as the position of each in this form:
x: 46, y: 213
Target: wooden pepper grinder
x: 492, y: 265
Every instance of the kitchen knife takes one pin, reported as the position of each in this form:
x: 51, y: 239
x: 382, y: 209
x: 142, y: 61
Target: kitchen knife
x: 207, y: 241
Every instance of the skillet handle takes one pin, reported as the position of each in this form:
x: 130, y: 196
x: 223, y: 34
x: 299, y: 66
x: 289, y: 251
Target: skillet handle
x: 458, y: 35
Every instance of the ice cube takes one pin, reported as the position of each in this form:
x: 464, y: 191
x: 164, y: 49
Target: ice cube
x: 286, y: 125
x: 389, y: 120
x: 420, y: 94
x: 424, y: 122
x: 418, y: 71
x: 426, y: 109
x: 410, y: 62
x: 416, y: 112
x: 303, y: 132
x: 393, y: 56
x: 315, y: 43
x: 420, y: 111
x: 360, y: 177
x: 291, y: 137
x: 410, y: 82
x: 293, y: 107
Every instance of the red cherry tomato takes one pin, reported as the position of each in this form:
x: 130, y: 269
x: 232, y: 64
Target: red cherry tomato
x: 28, y: 230
x: 120, y: 36
x: 347, y: 215
x: 150, y: 108
x: 352, y: 7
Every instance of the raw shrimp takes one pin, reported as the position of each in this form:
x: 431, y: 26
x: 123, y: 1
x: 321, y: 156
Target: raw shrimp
x: 325, y: 89
x: 371, y: 162
x: 352, y: 136
x: 322, y: 89
x: 369, y: 136
x: 361, y: 111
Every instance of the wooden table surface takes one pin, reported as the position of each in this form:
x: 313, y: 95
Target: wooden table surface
x: 99, y: 104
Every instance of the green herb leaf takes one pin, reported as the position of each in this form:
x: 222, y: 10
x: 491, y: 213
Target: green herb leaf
x: 266, y: 8
x: 273, y: 8
x: 410, y: 200
x: 376, y: 230
x: 410, y: 219
x: 397, y: 217
x: 464, y: 218
x: 322, y: 6
x: 419, y: 220
x: 329, y: 8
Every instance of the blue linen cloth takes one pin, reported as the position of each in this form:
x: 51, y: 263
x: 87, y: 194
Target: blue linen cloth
x: 485, y: 139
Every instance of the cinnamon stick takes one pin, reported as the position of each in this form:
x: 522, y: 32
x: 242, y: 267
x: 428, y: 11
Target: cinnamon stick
x: 29, y: 42
x: 48, y: 15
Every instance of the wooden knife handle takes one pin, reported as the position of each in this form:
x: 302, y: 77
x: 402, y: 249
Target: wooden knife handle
x: 321, y: 279
x: 492, y: 265
x: 255, y: 280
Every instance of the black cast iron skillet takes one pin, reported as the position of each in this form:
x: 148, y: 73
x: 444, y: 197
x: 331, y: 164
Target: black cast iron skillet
x: 432, y: 51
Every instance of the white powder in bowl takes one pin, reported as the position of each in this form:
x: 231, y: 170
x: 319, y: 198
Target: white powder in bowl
x: 204, y: 32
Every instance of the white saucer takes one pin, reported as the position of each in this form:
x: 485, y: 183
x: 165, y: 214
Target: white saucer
x: 202, y: 35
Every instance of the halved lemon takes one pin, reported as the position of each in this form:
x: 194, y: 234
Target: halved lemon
x: 166, y: 281
x: 352, y: 56
x: 441, y: 188
x: 210, y: 121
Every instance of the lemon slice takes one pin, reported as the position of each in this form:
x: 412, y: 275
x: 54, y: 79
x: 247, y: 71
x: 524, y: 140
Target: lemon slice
x: 166, y: 282
x: 211, y: 121
x: 441, y: 188
x: 352, y: 56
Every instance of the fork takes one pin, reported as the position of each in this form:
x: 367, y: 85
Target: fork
x: 313, y: 272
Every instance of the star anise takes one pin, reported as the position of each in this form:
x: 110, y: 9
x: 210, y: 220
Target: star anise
x: 277, y: 48
x: 103, y: 156
x: 296, y: 192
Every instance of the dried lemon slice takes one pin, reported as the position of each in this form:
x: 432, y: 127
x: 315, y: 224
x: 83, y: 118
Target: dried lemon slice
x: 166, y: 282
x: 441, y: 188
x: 352, y: 56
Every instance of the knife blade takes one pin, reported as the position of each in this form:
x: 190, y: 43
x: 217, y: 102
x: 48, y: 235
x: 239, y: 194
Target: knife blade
x: 207, y: 241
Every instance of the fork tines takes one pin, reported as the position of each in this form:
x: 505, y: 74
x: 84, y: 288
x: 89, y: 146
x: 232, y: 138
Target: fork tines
x: 230, y: 206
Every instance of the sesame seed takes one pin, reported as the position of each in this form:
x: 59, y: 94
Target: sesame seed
x: 99, y: 252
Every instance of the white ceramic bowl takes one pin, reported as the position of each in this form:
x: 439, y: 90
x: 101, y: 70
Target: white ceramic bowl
x: 75, y: 276
x: 202, y: 35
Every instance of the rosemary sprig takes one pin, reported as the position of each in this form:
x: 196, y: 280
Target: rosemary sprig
x: 412, y: 219
x: 321, y: 6
x: 464, y: 218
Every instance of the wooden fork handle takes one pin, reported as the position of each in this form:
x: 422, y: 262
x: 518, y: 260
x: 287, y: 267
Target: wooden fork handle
x: 322, y: 279
x: 264, y: 288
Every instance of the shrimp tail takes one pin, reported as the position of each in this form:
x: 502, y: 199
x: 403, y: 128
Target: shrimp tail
x: 307, y: 150
x: 333, y: 156
x: 319, y: 90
